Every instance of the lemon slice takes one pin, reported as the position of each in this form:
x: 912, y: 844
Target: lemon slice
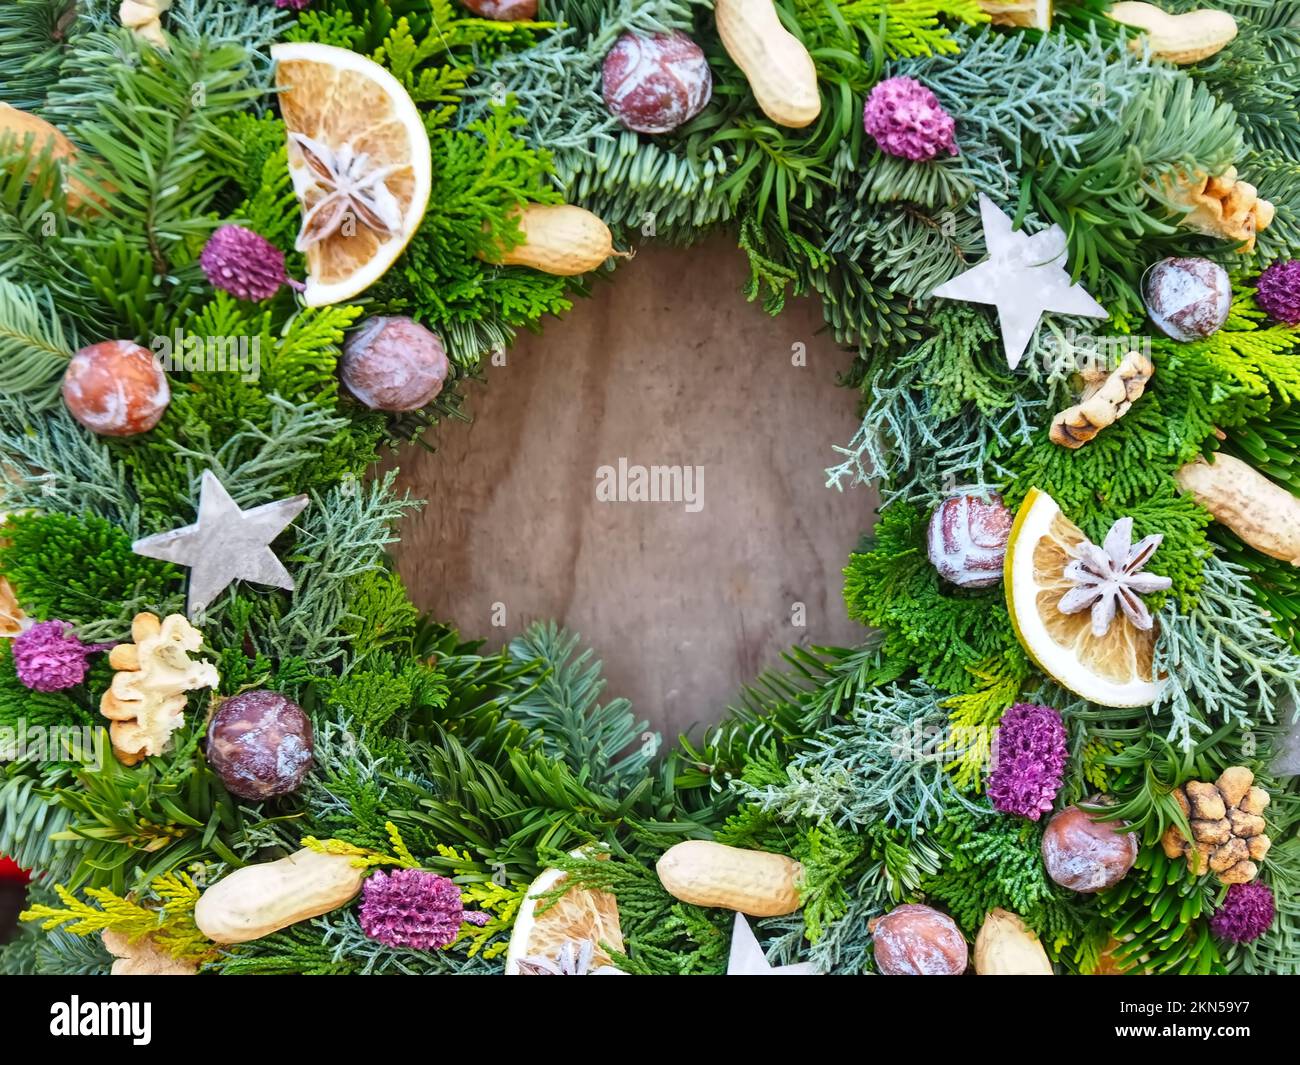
x: 578, y: 915
x: 349, y: 117
x: 1113, y: 670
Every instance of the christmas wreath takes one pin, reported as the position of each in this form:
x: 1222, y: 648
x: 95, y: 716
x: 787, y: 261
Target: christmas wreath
x: 248, y: 247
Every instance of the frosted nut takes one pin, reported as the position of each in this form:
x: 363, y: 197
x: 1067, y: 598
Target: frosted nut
x: 394, y: 364
x: 1188, y: 299
x: 504, y: 10
x: 915, y: 940
x: 260, y: 744
x: 967, y: 540
x: 1086, y: 855
x: 655, y: 84
x: 116, y: 388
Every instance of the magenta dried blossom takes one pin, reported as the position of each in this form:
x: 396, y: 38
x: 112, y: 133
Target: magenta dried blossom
x: 1028, y: 762
x: 907, y: 120
x: 1246, y: 913
x: 245, y: 264
x: 413, y: 908
x: 49, y: 657
x: 1279, y: 291
x: 296, y: 5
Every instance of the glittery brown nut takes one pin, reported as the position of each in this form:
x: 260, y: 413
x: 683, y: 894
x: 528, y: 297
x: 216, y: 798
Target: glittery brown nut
x: 915, y: 940
x: 1087, y: 855
x: 1187, y: 299
x: 260, y: 744
x: 394, y: 364
x: 116, y: 388
x: 504, y: 10
x: 655, y: 84
x: 967, y: 540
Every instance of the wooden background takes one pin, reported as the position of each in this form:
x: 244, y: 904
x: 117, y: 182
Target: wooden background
x: 668, y: 365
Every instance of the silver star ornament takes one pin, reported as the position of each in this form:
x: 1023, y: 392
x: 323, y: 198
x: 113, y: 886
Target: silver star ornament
x: 1023, y: 277
x: 226, y: 544
x: 747, y: 957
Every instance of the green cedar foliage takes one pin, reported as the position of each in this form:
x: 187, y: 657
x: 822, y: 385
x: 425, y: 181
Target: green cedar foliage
x: 943, y: 632
x: 82, y: 570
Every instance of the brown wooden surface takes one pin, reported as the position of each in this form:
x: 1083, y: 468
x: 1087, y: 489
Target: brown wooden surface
x: 668, y: 365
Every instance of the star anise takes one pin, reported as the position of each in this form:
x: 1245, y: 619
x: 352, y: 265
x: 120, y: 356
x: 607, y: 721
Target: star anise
x: 352, y: 188
x: 1109, y: 576
x: 574, y: 959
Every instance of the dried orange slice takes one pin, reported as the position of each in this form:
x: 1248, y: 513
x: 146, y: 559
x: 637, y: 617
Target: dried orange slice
x: 579, y: 915
x: 360, y: 162
x: 1114, y: 669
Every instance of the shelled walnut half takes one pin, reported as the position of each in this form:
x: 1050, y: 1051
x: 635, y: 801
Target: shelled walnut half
x: 1227, y: 822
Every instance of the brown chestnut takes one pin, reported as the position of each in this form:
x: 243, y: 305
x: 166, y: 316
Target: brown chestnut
x: 1085, y: 854
x: 915, y: 940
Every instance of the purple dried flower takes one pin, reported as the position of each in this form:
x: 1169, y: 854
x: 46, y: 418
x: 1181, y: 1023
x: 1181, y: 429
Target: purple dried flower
x: 1279, y: 291
x: 297, y: 5
x: 48, y: 656
x: 907, y: 120
x: 1029, y: 760
x: 244, y: 263
x: 412, y: 908
x: 1246, y: 913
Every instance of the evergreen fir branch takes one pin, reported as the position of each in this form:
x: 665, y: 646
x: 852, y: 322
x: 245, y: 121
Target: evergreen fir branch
x: 917, y: 250
x: 1256, y: 74
x: 34, y: 249
x: 148, y: 141
x: 63, y: 954
x: 32, y: 33
x: 299, y: 950
x: 1278, y: 177
x: 992, y: 860
x: 129, y: 826
x: 960, y: 364
x: 1155, y: 915
x: 1014, y: 98
x: 910, y: 28
x: 34, y: 350
x: 28, y: 820
x: 662, y: 936
x: 605, y: 745
x: 774, y: 717
x: 916, y: 456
